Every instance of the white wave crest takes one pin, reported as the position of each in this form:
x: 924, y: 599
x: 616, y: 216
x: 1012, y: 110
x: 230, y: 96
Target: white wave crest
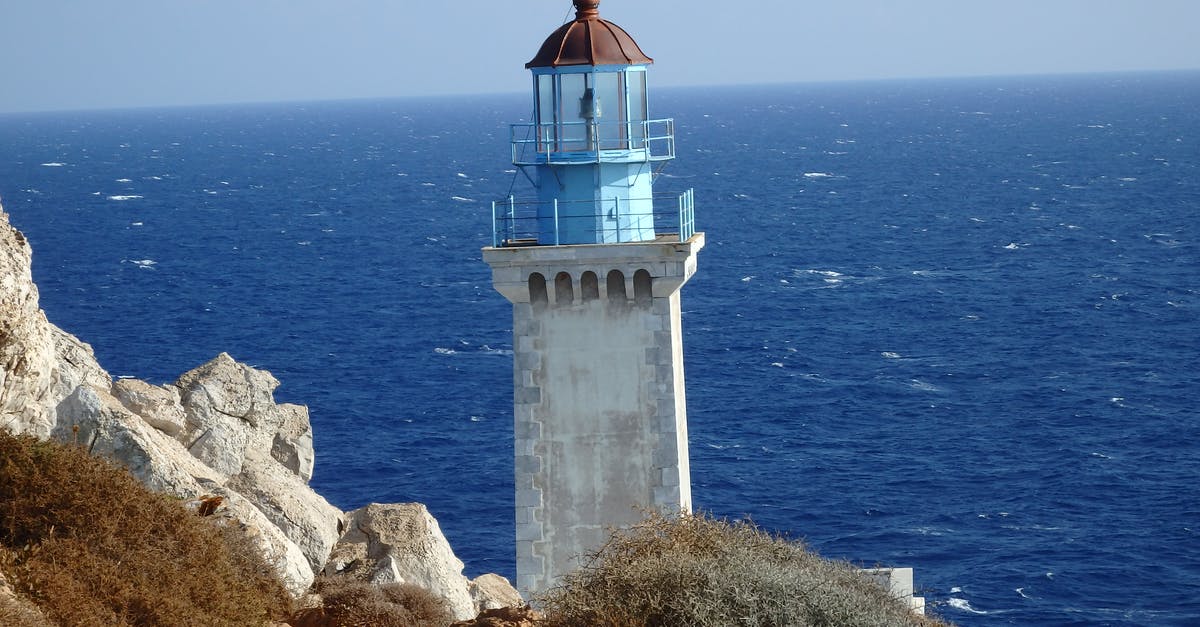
x: 461, y: 199
x: 54, y: 164
x: 129, y: 197
x: 817, y: 175
x: 445, y: 351
x: 961, y: 604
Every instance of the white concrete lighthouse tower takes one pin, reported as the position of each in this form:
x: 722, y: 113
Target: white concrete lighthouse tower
x: 593, y: 267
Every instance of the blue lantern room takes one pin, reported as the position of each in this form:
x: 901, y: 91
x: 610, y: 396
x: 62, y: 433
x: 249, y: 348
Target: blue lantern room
x: 592, y: 146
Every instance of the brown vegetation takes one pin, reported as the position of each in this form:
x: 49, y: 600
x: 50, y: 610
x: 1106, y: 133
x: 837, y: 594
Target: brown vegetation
x: 694, y: 571
x: 349, y: 602
x: 89, y: 545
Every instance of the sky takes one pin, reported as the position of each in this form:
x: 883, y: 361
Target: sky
x: 102, y: 54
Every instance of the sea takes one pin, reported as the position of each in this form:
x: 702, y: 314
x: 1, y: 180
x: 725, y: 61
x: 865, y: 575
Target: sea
x: 949, y: 324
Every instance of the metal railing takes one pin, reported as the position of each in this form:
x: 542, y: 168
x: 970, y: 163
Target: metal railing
x: 534, y: 222
x: 583, y: 141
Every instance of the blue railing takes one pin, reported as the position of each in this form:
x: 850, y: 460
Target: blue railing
x: 533, y: 222
x: 583, y: 142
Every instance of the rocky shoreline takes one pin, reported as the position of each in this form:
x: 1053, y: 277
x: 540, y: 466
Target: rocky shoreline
x: 217, y: 439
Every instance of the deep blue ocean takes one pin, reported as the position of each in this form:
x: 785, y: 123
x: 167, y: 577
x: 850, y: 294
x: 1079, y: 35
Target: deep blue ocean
x: 945, y: 324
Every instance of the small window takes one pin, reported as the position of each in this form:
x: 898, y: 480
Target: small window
x: 642, y: 289
x: 589, y: 284
x: 537, y: 289
x: 616, y: 287
x: 564, y: 293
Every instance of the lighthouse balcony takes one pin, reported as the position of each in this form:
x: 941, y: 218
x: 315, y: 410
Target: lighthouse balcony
x: 662, y: 217
x: 593, y: 142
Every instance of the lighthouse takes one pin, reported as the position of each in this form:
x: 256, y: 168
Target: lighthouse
x: 593, y: 262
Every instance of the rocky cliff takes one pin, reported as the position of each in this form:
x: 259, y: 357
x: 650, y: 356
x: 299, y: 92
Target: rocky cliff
x: 215, y: 432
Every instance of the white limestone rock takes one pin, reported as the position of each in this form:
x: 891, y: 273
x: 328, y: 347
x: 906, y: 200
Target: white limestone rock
x: 75, y: 365
x: 284, y: 555
x: 293, y: 443
x: 229, y: 407
x: 402, y: 543
x: 216, y: 431
x: 94, y: 419
x: 40, y: 364
x: 492, y: 592
x: 27, y: 360
x: 158, y: 405
x: 304, y: 516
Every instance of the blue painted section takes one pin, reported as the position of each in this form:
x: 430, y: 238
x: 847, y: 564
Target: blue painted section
x: 598, y: 203
x: 591, y: 147
x: 534, y: 222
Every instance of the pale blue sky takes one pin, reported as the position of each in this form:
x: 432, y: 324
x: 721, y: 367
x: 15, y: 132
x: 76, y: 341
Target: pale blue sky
x: 82, y: 54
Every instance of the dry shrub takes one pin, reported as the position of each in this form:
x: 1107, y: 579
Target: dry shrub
x: 347, y: 602
x: 13, y: 609
x: 92, y: 546
x: 694, y: 571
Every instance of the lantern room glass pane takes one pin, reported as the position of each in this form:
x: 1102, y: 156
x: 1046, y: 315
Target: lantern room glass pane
x: 607, y: 90
x: 545, y: 112
x: 637, y: 107
x: 574, y: 129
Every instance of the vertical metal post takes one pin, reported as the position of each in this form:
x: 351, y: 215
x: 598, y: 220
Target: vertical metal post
x: 495, y: 234
x: 682, y: 236
x: 512, y: 218
x: 556, y: 236
x: 617, y: 212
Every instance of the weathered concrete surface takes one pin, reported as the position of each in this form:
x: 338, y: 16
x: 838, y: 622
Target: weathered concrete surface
x: 600, y: 417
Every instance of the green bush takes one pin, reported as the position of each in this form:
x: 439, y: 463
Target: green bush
x: 694, y: 571
x: 89, y: 545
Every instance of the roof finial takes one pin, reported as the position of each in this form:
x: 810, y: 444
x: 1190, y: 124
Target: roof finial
x: 587, y: 9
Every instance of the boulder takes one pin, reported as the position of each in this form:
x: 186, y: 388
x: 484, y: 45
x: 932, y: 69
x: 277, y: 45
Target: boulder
x: 158, y: 405
x: 75, y: 365
x: 304, y: 516
x: 284, y: 555
x: 228, y: 408
x: 94, y: 419
x: 504, y: 617
x: 491, y: 591
x: 293, y: 443
x: 401, y: 543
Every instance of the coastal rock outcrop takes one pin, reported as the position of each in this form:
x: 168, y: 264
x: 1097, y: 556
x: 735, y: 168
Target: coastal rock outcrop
x: 217, y: 439
x: 402, y: 543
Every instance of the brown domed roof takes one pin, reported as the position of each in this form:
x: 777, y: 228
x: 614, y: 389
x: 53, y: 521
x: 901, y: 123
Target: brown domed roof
x: 589, y: 40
